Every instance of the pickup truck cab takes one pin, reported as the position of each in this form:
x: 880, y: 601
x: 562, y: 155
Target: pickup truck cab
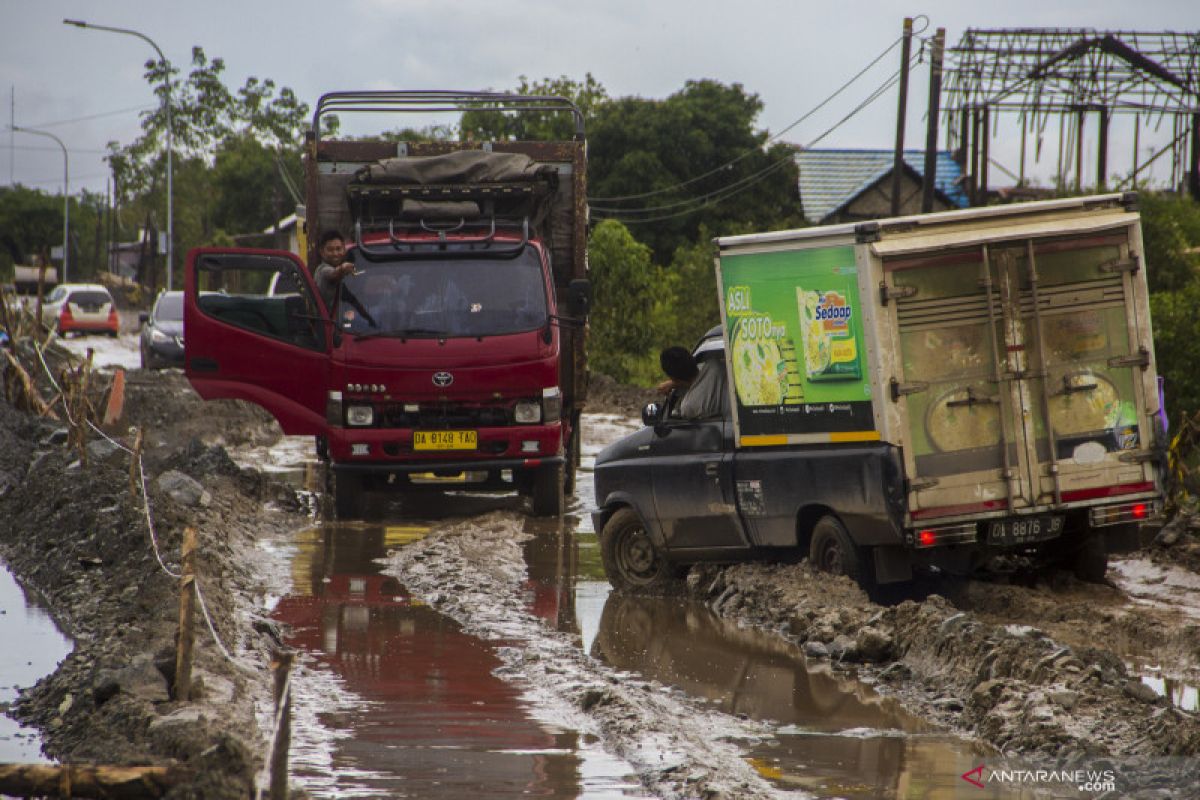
x: 678, y: 492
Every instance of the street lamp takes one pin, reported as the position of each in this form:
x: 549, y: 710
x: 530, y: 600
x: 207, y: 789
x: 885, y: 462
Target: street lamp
x: 170, y: 187
x: 66, y: 196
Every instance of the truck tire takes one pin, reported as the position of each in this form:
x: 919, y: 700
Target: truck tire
x: 833, y: 551
x: 349, y: 496
x: 1090, y: 561
x: 547, y: 494
x: 631, y: 561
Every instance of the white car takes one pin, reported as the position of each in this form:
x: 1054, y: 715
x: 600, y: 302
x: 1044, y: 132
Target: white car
x: 82, y: 308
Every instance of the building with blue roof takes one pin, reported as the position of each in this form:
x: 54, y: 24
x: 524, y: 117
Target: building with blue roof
x: 843, y: 185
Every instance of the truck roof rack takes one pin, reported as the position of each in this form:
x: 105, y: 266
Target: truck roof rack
x: 423, y: 101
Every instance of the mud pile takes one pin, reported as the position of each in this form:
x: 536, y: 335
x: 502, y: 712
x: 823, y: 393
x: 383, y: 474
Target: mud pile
x: 77, y: 535
x: 1011, y: 684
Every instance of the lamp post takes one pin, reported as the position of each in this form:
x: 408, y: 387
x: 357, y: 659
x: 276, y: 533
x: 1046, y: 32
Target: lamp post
x: 66, y: 195
x: 167, y: 79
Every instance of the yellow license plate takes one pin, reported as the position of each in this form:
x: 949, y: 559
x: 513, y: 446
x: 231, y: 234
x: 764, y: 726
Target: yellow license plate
x: 445, y: 440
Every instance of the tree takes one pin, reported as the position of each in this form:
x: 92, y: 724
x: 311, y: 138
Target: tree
x: 486, y: 125
x: 1170, y: 232
x: 630, y: 294
x: 668, y: 168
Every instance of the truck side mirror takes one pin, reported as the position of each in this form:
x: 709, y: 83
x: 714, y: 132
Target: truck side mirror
x: 143, y: 317
x: 579, y: 295
x: 650, y: 414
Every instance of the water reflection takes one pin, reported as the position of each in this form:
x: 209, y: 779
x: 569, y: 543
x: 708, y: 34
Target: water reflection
x: 434, y: 720
x: 41, y: 647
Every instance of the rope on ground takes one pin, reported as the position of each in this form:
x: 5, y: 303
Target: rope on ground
x: 92, y: 425
x: 213, y: 630
x: 61, y: 395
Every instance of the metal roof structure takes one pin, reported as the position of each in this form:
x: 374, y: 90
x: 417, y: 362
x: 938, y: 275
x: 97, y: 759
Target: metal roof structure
x: 832, y: 178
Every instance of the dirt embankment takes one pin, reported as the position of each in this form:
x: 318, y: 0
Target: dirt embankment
x: 983, y: 660
x: 77, y: 536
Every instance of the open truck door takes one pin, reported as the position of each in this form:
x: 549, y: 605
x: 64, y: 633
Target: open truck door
x: 256, y: 331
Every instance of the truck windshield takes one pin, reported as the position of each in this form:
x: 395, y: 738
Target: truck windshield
x: 443, y: 298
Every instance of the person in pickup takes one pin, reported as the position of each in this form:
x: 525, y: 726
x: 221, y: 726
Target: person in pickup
x: 333, y: 267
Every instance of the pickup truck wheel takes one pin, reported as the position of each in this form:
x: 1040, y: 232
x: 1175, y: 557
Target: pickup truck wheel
x: 1090, y: 561
x: 348, y: 495
x: 547, y: 495
x: 631, y: 561
x: 833, y: 551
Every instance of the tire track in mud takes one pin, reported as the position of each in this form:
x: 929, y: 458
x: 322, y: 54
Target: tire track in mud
x: 473, y: 571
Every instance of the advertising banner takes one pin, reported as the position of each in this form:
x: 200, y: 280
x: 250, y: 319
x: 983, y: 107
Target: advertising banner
x: 797, y: 354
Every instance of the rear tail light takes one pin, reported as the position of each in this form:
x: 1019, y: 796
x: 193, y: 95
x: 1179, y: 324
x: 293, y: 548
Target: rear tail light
x: 65, y: 315
x: 962, y: 533
x: 1125, y: 512
x: 113, y: 320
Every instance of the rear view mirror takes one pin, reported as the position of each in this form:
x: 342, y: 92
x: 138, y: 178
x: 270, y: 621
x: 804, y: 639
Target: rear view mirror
x: 143, y: 317
x: 650, y: 414
x: 579, y: 295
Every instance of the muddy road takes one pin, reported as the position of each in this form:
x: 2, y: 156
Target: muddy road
x: 452, y: 646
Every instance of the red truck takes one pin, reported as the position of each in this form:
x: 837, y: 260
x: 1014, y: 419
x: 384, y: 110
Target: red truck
x: 456, y: 349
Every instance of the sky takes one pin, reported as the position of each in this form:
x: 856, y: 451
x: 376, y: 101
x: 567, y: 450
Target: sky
x: 87, y: 86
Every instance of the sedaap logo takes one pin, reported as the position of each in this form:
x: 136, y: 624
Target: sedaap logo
x: 834, y: 312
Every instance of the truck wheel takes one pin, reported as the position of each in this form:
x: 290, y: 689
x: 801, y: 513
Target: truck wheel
x: 833, y: 551
x: 547, y: 494
x: 348, y: 495
x: 1090, y: 561
x: 631, y: 561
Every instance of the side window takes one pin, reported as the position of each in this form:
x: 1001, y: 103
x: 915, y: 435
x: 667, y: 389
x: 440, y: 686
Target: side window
x: 706, y: 398
x: 242, y: 290
x: 58, y: 294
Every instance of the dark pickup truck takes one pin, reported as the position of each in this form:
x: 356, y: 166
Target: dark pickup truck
x: 926, y: 391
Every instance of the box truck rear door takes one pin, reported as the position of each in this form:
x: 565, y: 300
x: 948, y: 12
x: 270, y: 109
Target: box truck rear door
x: 1020, y: 369
x: 253, y: 330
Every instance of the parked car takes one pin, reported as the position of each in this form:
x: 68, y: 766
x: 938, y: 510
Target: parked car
x: 161, y: 342
x: 81, y: 308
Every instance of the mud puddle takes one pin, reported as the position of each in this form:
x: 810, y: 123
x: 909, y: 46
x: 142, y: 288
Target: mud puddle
x: 42, y: 647
x: 407, y: 705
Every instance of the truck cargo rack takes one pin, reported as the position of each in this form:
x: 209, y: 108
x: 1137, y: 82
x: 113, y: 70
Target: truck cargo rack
x: 482, y: 246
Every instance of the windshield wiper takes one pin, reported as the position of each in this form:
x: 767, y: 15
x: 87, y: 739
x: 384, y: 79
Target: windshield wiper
x: 402, y: 333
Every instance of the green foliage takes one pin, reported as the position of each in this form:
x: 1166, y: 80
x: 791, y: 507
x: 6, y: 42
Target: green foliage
x: 486, y: 125
x: 1177, y: 347
x: 1170, y: 229
x: 670, y: 168
x: 629, y: 297
x: 31, y: 223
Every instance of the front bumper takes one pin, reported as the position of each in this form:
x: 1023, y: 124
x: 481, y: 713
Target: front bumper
x: 393, y: 447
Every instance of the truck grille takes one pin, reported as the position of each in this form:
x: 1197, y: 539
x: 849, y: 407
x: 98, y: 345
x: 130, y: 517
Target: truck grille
x: 448, y: 417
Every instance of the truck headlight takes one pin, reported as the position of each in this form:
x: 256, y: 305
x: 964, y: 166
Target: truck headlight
x: 527, y: 412
x: 551, y: 403
x: 360, y: 416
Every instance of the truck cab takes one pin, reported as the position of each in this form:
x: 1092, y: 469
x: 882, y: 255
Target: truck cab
x: 452, y: 352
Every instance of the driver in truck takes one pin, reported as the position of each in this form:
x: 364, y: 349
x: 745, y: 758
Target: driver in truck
x: 334, y: 266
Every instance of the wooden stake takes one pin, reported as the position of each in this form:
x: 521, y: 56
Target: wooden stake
x: 83, y: 780
x: 283, y: 738
x: 187, y: 612
x: 32, y: 396
x: 135, y: 477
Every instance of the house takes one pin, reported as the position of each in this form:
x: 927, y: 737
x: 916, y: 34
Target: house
x: 850, y: 185
x: 283, y: 235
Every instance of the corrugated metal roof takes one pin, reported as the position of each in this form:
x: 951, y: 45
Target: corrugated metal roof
x: 830, y: 178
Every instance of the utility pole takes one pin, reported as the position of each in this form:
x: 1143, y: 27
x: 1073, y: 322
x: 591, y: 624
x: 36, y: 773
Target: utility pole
x: 901, y: 112
x: 935, y: 106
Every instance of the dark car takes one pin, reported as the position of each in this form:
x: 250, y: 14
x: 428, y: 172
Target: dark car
x: 162, y: 333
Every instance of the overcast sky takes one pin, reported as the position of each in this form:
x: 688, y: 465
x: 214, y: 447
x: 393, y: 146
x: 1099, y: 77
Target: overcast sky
x: 86, y: 86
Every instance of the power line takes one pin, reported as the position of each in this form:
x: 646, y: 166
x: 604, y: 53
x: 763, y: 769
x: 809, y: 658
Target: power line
x: 93, y: 116
x: 59, y: 180
x: 696, y: 203
x: 56, y: 150
x: 770, y: 139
